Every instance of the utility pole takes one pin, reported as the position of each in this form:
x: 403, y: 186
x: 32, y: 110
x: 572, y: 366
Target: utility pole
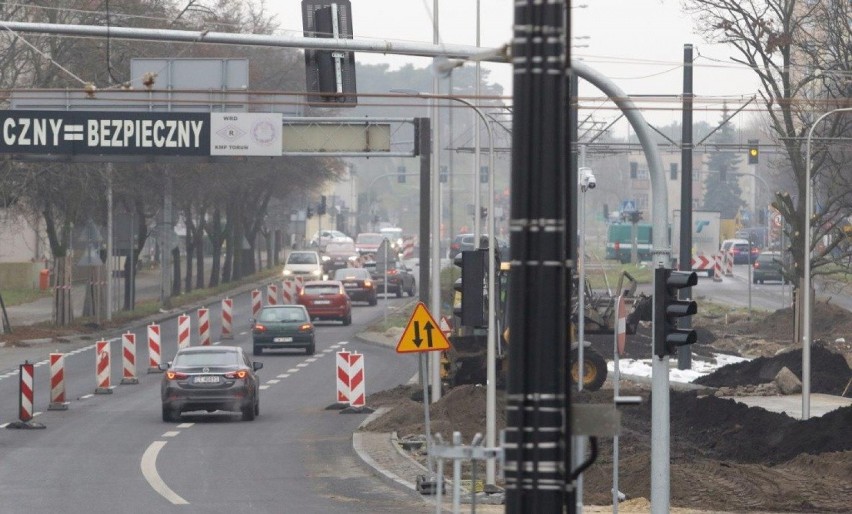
x: 684, y: 353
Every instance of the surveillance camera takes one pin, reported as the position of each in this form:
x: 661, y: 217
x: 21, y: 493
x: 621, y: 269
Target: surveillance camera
x: 592, y: 182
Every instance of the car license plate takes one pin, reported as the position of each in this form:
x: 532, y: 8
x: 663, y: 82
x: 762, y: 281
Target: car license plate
x: 282, y: 340
x: 206, y: 380
x: 322, y: 302
x: 350, y: 285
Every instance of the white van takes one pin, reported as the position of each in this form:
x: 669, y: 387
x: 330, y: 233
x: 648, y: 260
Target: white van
x: 303, y: 263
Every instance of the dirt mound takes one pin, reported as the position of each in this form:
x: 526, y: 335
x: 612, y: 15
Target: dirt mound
x: 830, y: 372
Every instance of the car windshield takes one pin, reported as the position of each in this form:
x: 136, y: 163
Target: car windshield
x: 350, y: 273
x: 370, y: 239
x: 340, y: 248
x: 319, y: 289
x: 206, y: 358
x: 282, y: 314
x: 302, y: 258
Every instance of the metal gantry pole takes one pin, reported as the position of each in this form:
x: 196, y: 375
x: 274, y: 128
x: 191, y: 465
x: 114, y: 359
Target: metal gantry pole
x: 435, y: 357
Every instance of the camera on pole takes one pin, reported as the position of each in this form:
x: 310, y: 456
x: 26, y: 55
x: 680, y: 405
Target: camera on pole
x: 668, y: 308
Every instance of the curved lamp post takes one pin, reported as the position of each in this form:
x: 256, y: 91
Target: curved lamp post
x: 491, y: 348
x: 806, y: 306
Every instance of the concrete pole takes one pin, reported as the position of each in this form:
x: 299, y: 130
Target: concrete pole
x: 435, y: 357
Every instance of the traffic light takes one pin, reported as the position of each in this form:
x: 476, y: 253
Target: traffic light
x: 322, y: 208
x: 444, y: 175
x: 753, y: 150
x: 483, y: 174
x: 668, y: 308
x: 400, y: 177
x: 309, y: 212
x: 483, y: 212
x: 469, y: 301
x: 329, y: 74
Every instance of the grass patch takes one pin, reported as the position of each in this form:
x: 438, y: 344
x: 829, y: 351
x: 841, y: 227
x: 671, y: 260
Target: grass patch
x: 20, y: 296
x: 397, y: 317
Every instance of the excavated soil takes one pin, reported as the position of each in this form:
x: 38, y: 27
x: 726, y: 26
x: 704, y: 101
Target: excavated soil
x: 725, y: 456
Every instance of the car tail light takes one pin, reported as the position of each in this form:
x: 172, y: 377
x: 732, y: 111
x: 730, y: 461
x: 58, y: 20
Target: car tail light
x: 756, y: 265
x: 306, y: 327
x: 455, y: 246
x: 393, y: 271
x: 367, y: 283
x: 176, y: 375
x: 237, y: 374
x: 258, y: 328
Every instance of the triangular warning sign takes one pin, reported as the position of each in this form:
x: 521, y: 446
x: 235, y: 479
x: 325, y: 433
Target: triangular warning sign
x: 445, y: 325
x: 422, y: 334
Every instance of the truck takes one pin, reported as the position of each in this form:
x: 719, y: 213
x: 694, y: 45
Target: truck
x: 706, y: 237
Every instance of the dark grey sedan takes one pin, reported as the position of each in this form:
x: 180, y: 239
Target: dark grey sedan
x: 282, y: 327
x: 210, y: 378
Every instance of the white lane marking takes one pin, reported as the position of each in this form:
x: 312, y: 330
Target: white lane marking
x: 328, y: 350
x: 244, y: 332
x: 4, y: 425
x: 292, y: 370
x: 217, y: 342
x: 149, y: 471
x: 36, y: 414
x: 344, y: 343
x: 171, y: 433
x: 272, y: 381
x: 263, y: 387
x: 302, y: 364
x: 86, y: 396
x: 185, y: 425
x: 312, y: 359
x: 284, y: 375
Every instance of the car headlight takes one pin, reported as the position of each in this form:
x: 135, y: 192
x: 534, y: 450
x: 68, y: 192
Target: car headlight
x: 287, y: 272
x: 317, y: 272
x: 325, y: 258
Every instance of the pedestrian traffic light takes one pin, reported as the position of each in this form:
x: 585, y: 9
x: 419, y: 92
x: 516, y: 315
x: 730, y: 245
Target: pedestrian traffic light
x: 444, y: 175
x: 469, y: 301
x: 483, y: 174
x: 322, y: 208
x: 668, y: 308
x: 400, y: 177
x: 753, y: 150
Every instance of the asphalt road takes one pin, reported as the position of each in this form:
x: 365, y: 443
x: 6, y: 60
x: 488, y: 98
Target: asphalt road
x: 112, y: 453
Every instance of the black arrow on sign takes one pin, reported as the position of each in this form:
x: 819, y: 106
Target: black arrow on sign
x: 429, y: 328
x: 417, y: 339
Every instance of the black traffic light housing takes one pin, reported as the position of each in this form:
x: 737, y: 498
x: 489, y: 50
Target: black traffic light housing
x: 329, y: 74
x: 668, y: 308
x: 309, y: 212
x: 322, y: 208
x: 470, y: 309
x: 753, y: 150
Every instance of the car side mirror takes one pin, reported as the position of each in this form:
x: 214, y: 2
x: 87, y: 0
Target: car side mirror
x: 163, y: 366
x: 256, y: 365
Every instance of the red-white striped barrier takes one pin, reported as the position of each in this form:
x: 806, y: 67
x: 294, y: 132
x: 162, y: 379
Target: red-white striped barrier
x: 300, y: 283
x: 25, y: 411
x: 621, y: 327
x: 271, y: 294
x: 342, y: 378
x: 204, y: 326
x: 729, y: 264
x: 102, y: 367
x: 57, y: 382
x: 128, y: 359
x: 357, y: 395
x: 408, y: 248
x: 256, y: 303
x: 227, y: 318
x: 184, y: 326
x: 717, y: 268
x: 288, y: 292
x: 154, y: 349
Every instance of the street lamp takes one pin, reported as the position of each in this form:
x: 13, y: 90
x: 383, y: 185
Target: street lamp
x: 806, y: 317
x: 491, y: 347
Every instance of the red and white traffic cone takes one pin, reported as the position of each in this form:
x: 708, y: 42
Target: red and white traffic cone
x: 57, y: 382
x: 184, y: 326
x: 25, y: 412
x: 204, y: 326
x: 128, y: 358
x: 256, y: 303
x: 729, y: 264
x: 227, y: 318
x: 288, y: 292
x: 341, y: 378
x: 271, y: 294
x: 102, y: 368
x: 717, y: 268
x: 357, y: 391
x: 154, y: 349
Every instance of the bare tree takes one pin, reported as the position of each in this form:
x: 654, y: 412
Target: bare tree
x: 800, y: 53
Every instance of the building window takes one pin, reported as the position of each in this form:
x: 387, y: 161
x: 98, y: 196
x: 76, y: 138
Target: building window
x: 673, y: 171
x: 634, y: 169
